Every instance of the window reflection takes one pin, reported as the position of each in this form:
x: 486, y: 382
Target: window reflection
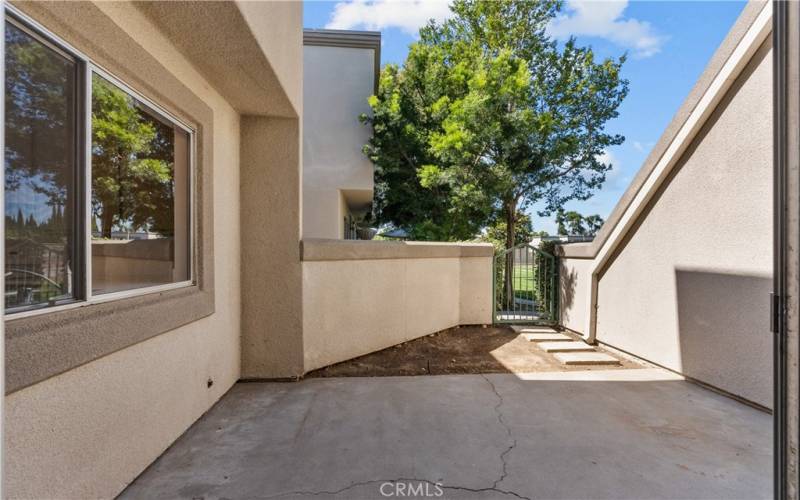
x: 40, y: 166
x: 140, y: 165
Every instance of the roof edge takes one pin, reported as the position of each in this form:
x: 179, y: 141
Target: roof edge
x: 348, y: 39
x: 343, y: 38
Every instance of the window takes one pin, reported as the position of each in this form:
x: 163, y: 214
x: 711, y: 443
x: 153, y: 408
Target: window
x: 140, y: 166
x: 97, y: 181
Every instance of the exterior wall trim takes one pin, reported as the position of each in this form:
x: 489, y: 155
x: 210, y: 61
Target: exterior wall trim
x: 313, y: 249
x: 42, y: 346
x: 348, y: 39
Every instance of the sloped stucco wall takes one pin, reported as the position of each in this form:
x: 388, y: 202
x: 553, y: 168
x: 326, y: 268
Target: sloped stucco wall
x: 688, y: 288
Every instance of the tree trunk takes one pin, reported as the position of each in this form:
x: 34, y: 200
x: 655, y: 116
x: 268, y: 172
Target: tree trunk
x: 508, y: 282
x: 107, y: 221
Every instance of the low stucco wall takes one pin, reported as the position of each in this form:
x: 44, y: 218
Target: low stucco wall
x: 363, y: 296
x: 574, y: 293
x: 122, y: 263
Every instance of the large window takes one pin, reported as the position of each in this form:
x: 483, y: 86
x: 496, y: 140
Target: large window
x: 97, y: 181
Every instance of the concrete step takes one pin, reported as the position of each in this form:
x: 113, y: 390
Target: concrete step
x: 585, y: 358
x: 576, y: 346
x: 546, y: 337
x: 537, y: 329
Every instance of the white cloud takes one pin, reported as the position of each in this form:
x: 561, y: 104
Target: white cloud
x: 614, y: 177
x: 408, y: 15
x: 608, y: 157
x: 604, y: 19
x: 643, y: 147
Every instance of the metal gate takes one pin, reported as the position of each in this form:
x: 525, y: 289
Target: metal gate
x: 525, y: 287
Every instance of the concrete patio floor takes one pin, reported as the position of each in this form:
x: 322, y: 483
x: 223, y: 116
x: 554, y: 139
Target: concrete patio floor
x: 596, y: 434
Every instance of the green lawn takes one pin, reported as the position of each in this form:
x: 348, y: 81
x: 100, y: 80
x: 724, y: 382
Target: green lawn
x: 524, y: 281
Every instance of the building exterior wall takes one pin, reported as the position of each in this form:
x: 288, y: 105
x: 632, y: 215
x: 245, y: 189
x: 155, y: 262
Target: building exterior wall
x: 88, y: 432
x: 359, y: 299
x: 333, y: 136
x: 688, y: 288
x: 272, y: 335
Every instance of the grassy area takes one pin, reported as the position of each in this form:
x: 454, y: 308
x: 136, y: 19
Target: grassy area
x: 523, y: 281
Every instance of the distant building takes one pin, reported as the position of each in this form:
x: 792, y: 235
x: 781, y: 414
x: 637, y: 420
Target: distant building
x: 562, y: 239
x: 340, y: 73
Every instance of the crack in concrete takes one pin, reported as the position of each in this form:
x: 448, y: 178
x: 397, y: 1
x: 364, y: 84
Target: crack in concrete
x: 398, y: 480
x: 493, y: 488
x: 504, y: 455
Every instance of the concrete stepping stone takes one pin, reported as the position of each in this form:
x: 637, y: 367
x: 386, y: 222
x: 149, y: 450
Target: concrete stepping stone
x: 538, y: 329
x: 546, y: 337
x: 585, y: 358
x: 575, y: 346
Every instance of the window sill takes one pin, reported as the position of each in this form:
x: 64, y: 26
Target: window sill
x: 54, y: 341
x: 96, y: 299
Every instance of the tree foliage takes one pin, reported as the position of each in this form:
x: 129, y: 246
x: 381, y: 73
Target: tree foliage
x: 486, y: 117
x: 574, y: 224
x: 132, y: 164
x: 132, y: 152
x: 38, y: 119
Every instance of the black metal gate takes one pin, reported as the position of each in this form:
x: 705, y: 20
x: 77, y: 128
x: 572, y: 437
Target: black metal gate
x: 525, y: 287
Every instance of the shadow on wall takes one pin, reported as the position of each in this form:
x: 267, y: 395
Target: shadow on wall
x: 723, y: 324
x: 567, y: 294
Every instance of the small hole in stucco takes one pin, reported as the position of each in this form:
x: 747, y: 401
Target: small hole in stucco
x: 210, y: 382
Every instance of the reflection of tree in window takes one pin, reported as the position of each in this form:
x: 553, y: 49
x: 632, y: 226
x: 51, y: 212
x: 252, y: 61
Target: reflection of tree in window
x: 132, y: 165
x: 40, y: 143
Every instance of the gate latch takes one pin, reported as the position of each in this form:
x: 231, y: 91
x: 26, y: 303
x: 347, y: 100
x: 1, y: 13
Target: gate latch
x: 775, y: 312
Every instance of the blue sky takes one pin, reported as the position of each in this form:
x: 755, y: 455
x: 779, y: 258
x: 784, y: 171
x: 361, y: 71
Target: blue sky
x: 668, y: 46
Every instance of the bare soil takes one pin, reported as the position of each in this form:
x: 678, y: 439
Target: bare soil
x: 466, y: 349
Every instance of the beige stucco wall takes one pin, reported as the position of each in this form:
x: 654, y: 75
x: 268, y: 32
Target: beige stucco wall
x: 333, y: 162
x: 475, y: 291
x: 575, y: 282
x: 353, y: 306
x: 688, y: 289
x: 90, y: 431
x: 276, y: 27
x: 272, y: 339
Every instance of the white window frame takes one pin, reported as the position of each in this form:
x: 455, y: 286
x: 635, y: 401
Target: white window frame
x: 88, y: 67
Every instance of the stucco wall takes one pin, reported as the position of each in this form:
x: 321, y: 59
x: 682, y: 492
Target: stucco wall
x: 688, y: 288
x: 272, y: 340
x: 333, y: 136
x: 475, y: 291
x: 90, y: 431
x: 574, y: 293
x: 356, y: 304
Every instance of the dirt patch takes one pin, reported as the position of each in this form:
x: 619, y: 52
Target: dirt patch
x: 468, y: 349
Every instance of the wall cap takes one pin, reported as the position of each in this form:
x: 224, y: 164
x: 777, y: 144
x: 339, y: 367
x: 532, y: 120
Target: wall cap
x: 318, y: 249
x: 584, y: 250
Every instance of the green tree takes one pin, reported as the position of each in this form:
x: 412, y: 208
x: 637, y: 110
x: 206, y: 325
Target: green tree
x: 132, y: 170
x: 573, y: 223
x: 487, y: 116
x: 495, y: 232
